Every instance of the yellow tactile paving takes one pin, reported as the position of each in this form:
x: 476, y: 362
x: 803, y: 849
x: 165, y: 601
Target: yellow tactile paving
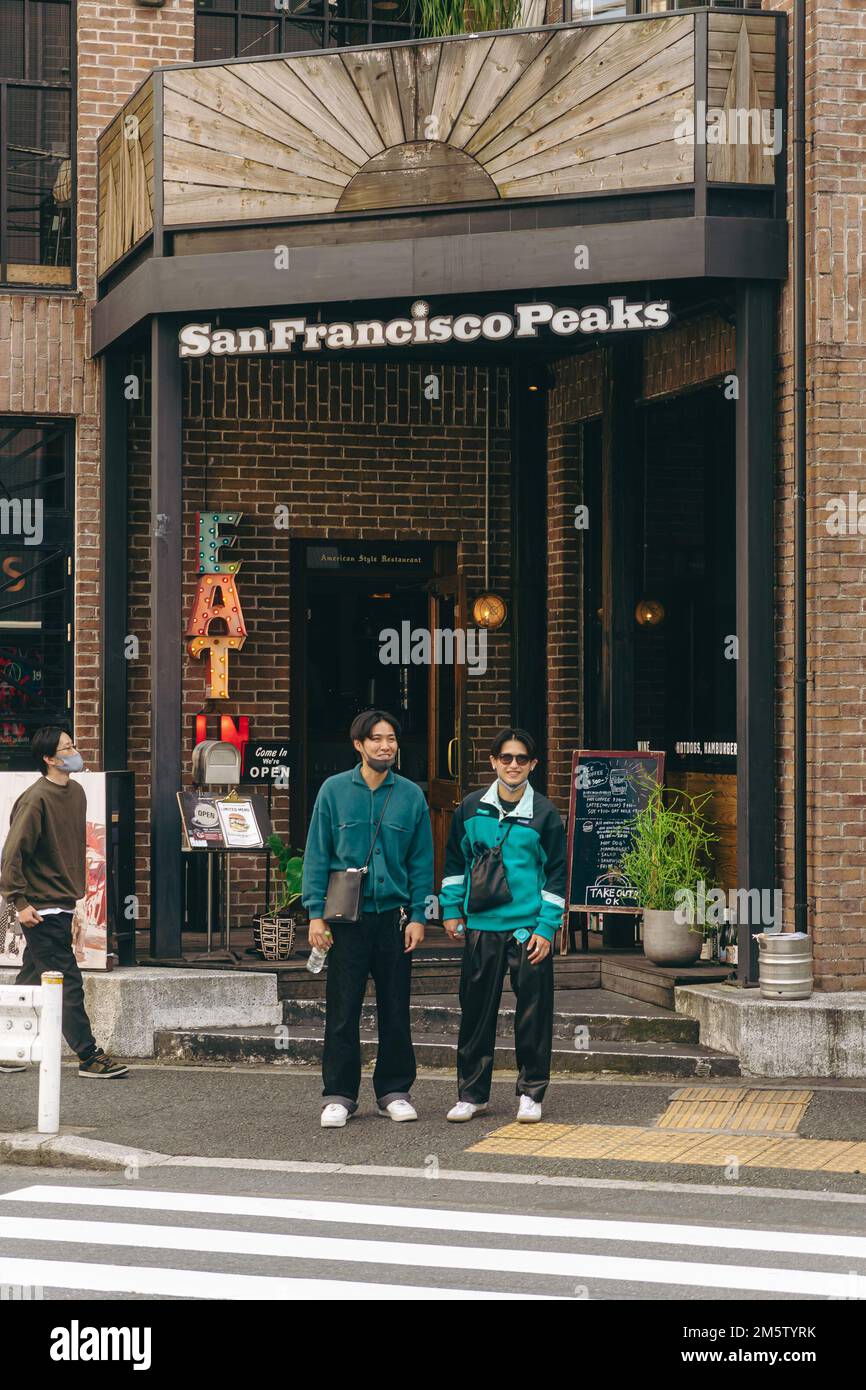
x: 634, y: 1144
x: 520, y: 1139
x: 719, y: 1150
x: 734, y: 1092
x: 805, y: 1154
x: 700, y: 1114
x: 854, y: 1161
x: 740, y: 1111
x: 714, y: 1093
x: 586, y: 1141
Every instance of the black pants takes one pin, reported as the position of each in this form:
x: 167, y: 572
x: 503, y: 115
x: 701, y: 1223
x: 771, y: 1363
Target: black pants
x: 48, y: 946
x: 486, y: 956
x: 374, y: 946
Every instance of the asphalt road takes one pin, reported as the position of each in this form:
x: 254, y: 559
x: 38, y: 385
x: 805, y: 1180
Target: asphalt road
x: 239, y: 1235
x: 272, y: 1115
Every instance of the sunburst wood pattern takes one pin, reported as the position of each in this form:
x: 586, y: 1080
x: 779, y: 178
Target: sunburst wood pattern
x: 533, y: 114
x: 126, y: 178
x: 741, y: 84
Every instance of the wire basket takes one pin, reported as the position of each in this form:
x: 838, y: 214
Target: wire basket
x: 274, y: 937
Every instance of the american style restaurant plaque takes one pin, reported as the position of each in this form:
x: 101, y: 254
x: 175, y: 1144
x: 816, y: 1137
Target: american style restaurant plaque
x: 423, y: 329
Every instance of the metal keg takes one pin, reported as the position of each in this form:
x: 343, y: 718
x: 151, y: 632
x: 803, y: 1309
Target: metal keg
x: 785, y: 960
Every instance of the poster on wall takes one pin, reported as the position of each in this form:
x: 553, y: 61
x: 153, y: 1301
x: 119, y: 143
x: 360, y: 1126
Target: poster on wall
x: 90, y: 922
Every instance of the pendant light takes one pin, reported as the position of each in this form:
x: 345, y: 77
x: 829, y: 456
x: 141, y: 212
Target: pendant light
x: 649, y: 611
x: 489, y: 609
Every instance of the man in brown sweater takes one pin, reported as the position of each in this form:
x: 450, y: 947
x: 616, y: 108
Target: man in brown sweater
x: 43, y: 876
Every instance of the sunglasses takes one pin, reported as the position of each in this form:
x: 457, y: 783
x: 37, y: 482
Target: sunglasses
x: 520, y: 758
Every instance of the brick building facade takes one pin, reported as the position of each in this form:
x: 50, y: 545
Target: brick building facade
x: 312, y: 436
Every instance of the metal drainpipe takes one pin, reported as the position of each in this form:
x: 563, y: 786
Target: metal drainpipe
x: 801, y: 885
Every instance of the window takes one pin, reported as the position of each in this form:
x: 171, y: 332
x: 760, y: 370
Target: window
x: 617, y: 9
x: 251, y: 28
x: 36, y: 539
x: 36, y: 166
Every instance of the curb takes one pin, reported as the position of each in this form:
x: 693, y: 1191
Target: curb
x: 73, y: 1151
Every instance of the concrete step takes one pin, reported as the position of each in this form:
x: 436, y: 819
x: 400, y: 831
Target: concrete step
x: 431, y: 974
x: 301, y: 1045
x: 604, y: 1018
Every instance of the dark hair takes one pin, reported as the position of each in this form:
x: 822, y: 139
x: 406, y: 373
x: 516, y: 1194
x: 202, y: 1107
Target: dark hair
x: 364, y: 723
x: 520, y: 735
x: 44, y: 744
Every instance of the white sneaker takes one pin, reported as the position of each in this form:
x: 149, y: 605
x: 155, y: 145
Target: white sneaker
x: 465, y: 1110
x: 529, y: 1111
x: 11, y: 1067
x: 334, y: 1116
x: 398, y: 1110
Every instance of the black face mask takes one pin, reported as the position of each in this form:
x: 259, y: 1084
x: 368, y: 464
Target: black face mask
x: 379, y: 764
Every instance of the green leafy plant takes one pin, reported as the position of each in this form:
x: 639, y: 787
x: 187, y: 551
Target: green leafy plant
x: 439, y: 18
x: 289, y: 869
x: 671, y: 849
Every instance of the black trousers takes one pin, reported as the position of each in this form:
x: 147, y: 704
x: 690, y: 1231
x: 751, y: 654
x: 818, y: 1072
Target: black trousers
x: 48, y: 946
x: 373, y: 946
x: 486, y: 956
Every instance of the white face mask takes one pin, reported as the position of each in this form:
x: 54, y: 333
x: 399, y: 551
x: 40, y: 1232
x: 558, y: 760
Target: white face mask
x: 517, y: 788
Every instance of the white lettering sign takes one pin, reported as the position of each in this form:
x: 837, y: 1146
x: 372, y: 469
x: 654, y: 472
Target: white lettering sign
x: 282, y: 335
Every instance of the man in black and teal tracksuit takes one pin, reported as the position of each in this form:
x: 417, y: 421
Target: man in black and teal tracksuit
x: 517, y: 935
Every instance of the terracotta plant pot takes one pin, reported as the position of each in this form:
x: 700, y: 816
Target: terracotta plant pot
x: 667, y: 941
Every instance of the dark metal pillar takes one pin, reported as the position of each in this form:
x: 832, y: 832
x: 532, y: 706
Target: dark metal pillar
x: 114, y: 551
x: 620, y: 442
x: 528, y: 616
x: 756, y: 860
x: 166, y: 479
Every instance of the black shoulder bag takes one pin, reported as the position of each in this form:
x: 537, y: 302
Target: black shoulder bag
x: 488, y: 881
x: 345, y: 895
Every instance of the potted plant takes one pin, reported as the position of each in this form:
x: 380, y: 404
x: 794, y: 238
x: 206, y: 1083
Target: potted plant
x: 275, y: 932
x: 668, y: 861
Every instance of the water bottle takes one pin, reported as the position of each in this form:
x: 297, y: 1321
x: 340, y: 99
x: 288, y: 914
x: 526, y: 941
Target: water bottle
x: 316, y: 960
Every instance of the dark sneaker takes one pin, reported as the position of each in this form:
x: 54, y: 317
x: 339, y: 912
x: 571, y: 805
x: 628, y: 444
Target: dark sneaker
x: 100, y: 1064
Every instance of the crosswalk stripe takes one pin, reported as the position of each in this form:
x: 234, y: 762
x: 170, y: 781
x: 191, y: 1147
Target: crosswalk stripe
x: 198, y: 1283
x: 469, y: 1222
x: 410, y: 1253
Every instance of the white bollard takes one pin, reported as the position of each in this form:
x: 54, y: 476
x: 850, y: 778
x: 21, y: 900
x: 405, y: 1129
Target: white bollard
x: 50, y: 1033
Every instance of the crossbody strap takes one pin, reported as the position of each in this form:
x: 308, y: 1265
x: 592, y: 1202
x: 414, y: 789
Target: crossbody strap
x: 378, y: 827
x: 500, y: 843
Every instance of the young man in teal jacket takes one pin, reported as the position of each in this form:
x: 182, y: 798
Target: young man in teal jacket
x: 400, y: 875
x: 518, y: 935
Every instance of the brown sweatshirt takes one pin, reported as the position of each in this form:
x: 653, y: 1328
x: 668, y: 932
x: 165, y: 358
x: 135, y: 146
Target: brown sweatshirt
x: 43, y: 857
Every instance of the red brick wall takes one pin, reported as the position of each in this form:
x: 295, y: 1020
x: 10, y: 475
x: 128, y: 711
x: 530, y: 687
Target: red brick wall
x: 836, y: 571
x: 44, y: 337
x: 335, y: 444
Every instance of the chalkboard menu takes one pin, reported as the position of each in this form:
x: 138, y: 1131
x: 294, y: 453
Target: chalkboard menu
x: 608, y: 788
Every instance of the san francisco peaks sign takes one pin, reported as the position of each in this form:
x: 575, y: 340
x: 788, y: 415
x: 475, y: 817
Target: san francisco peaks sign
x: 422, y: 330
x: 216, y: 623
